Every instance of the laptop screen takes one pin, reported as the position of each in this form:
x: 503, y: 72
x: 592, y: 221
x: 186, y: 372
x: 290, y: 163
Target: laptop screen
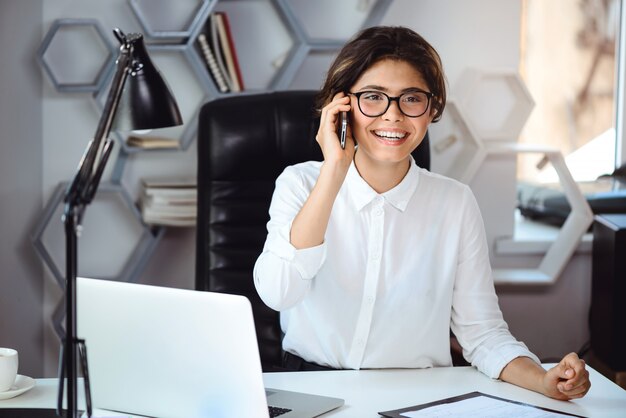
x: 168, y: 352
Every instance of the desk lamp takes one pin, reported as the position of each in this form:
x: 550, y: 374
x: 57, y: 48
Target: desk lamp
x: 144, y: 101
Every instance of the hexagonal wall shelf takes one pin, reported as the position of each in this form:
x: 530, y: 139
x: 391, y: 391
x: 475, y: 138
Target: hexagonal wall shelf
x: 167, y: 19
x: 457, y: 151
x: 76, y: 55
x: 58, y: 319
x: 496, y: 103
x: 570, y: 234
x: 310, y: 75
x: 126, y: 234
x: 111, y: 197
x: 324, y: 22
x: 310, y: 23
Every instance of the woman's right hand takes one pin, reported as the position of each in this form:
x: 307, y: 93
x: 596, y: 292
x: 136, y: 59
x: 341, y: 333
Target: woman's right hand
x: 309, y: 226
x: 327, y: 136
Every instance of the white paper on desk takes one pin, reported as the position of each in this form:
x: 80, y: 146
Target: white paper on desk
x: 483, y: 407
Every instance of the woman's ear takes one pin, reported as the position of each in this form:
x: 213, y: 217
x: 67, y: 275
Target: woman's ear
x: 435, y: 113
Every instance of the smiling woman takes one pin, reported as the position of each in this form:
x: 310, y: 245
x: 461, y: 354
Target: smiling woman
x: 372, y: 260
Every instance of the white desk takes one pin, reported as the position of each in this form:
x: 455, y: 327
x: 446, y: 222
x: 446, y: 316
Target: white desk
x: 367, y: 392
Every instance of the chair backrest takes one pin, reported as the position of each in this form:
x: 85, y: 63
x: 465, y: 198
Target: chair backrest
x: 244, y: 143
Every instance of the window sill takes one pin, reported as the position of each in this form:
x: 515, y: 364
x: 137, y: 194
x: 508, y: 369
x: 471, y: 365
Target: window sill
x: 535, y: 238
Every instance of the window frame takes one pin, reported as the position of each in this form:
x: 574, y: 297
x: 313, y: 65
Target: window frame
x: 620, y: 90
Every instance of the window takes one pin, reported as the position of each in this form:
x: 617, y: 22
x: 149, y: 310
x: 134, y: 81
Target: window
x: 569, y: 64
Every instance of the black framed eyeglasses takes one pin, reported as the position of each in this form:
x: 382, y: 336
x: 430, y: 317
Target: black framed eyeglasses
x: 374, y: 103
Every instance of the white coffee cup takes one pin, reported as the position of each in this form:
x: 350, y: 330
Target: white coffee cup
x: 8, y: 368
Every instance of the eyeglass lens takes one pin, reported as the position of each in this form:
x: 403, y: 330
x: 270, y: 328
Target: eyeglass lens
x: 413, y: 104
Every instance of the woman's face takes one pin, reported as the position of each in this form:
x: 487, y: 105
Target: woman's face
x: 391, y: 137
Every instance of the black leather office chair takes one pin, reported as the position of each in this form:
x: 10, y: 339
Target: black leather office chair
x: 244, y: 143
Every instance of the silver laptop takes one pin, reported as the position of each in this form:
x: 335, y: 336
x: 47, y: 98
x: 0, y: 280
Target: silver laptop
x: 167, y: 352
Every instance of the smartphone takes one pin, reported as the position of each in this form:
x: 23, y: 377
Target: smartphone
x: 343, y: 129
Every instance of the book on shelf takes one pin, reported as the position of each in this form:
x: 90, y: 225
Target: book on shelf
x: 183, y: 182
x: 152, y: 142
x: 217, y: 47
x: 168, y: 198
x: 170, y: 221
x: 211, y: 62
x: 169, y: 201
x: 168, y: 213
x: 154, y: 210
x: 174, y: 193
x: 228, y: 47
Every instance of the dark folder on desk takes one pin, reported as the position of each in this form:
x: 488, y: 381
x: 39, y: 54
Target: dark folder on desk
x: 402, y: 413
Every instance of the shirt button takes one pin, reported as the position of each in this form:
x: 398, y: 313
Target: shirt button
x: 379, y: 212
x: 359, y: 341
x: 370, y: 299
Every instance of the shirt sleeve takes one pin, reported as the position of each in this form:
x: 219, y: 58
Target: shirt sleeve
x: 477, y: 320
x: 282, y: 273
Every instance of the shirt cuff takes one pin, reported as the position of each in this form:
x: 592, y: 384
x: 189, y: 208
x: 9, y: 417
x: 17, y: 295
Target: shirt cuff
x: 505, y: 356
x: 306, y: 261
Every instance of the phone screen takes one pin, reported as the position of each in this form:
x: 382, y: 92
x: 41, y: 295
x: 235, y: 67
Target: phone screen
x: 343, y: 129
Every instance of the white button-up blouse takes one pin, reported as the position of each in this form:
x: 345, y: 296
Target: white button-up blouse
x: 395, y: 273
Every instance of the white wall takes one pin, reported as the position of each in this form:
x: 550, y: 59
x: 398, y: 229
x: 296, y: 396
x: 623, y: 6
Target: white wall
x: 466, y: 33
x: 21, y: 290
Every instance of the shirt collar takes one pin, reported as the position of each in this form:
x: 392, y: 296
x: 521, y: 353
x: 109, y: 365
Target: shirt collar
x: 362, y: 194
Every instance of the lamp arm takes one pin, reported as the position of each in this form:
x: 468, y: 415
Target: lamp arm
x: 78, y: 195
x: 82, y: 189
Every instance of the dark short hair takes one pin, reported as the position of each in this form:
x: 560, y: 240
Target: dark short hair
x: 385, y: 42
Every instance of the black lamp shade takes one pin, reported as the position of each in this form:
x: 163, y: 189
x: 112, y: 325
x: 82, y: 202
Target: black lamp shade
x: 146, y: 102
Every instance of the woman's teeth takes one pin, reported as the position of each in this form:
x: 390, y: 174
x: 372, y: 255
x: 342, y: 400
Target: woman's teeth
x: 393, y: 136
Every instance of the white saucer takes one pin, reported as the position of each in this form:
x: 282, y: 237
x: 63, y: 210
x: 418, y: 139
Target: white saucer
x: 21, y: 385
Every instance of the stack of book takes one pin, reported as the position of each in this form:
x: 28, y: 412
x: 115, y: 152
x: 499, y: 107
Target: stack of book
x: 217, y: 48
x: 170, y: 202
x: 152, y: 142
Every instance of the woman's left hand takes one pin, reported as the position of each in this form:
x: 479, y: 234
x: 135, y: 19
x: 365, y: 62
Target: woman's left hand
x: 567, y: 380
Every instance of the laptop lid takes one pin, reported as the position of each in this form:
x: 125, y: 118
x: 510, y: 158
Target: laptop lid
x: 169, y: 352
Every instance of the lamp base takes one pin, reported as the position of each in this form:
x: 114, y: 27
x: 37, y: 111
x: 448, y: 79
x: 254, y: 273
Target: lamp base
x: 73, y: 411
